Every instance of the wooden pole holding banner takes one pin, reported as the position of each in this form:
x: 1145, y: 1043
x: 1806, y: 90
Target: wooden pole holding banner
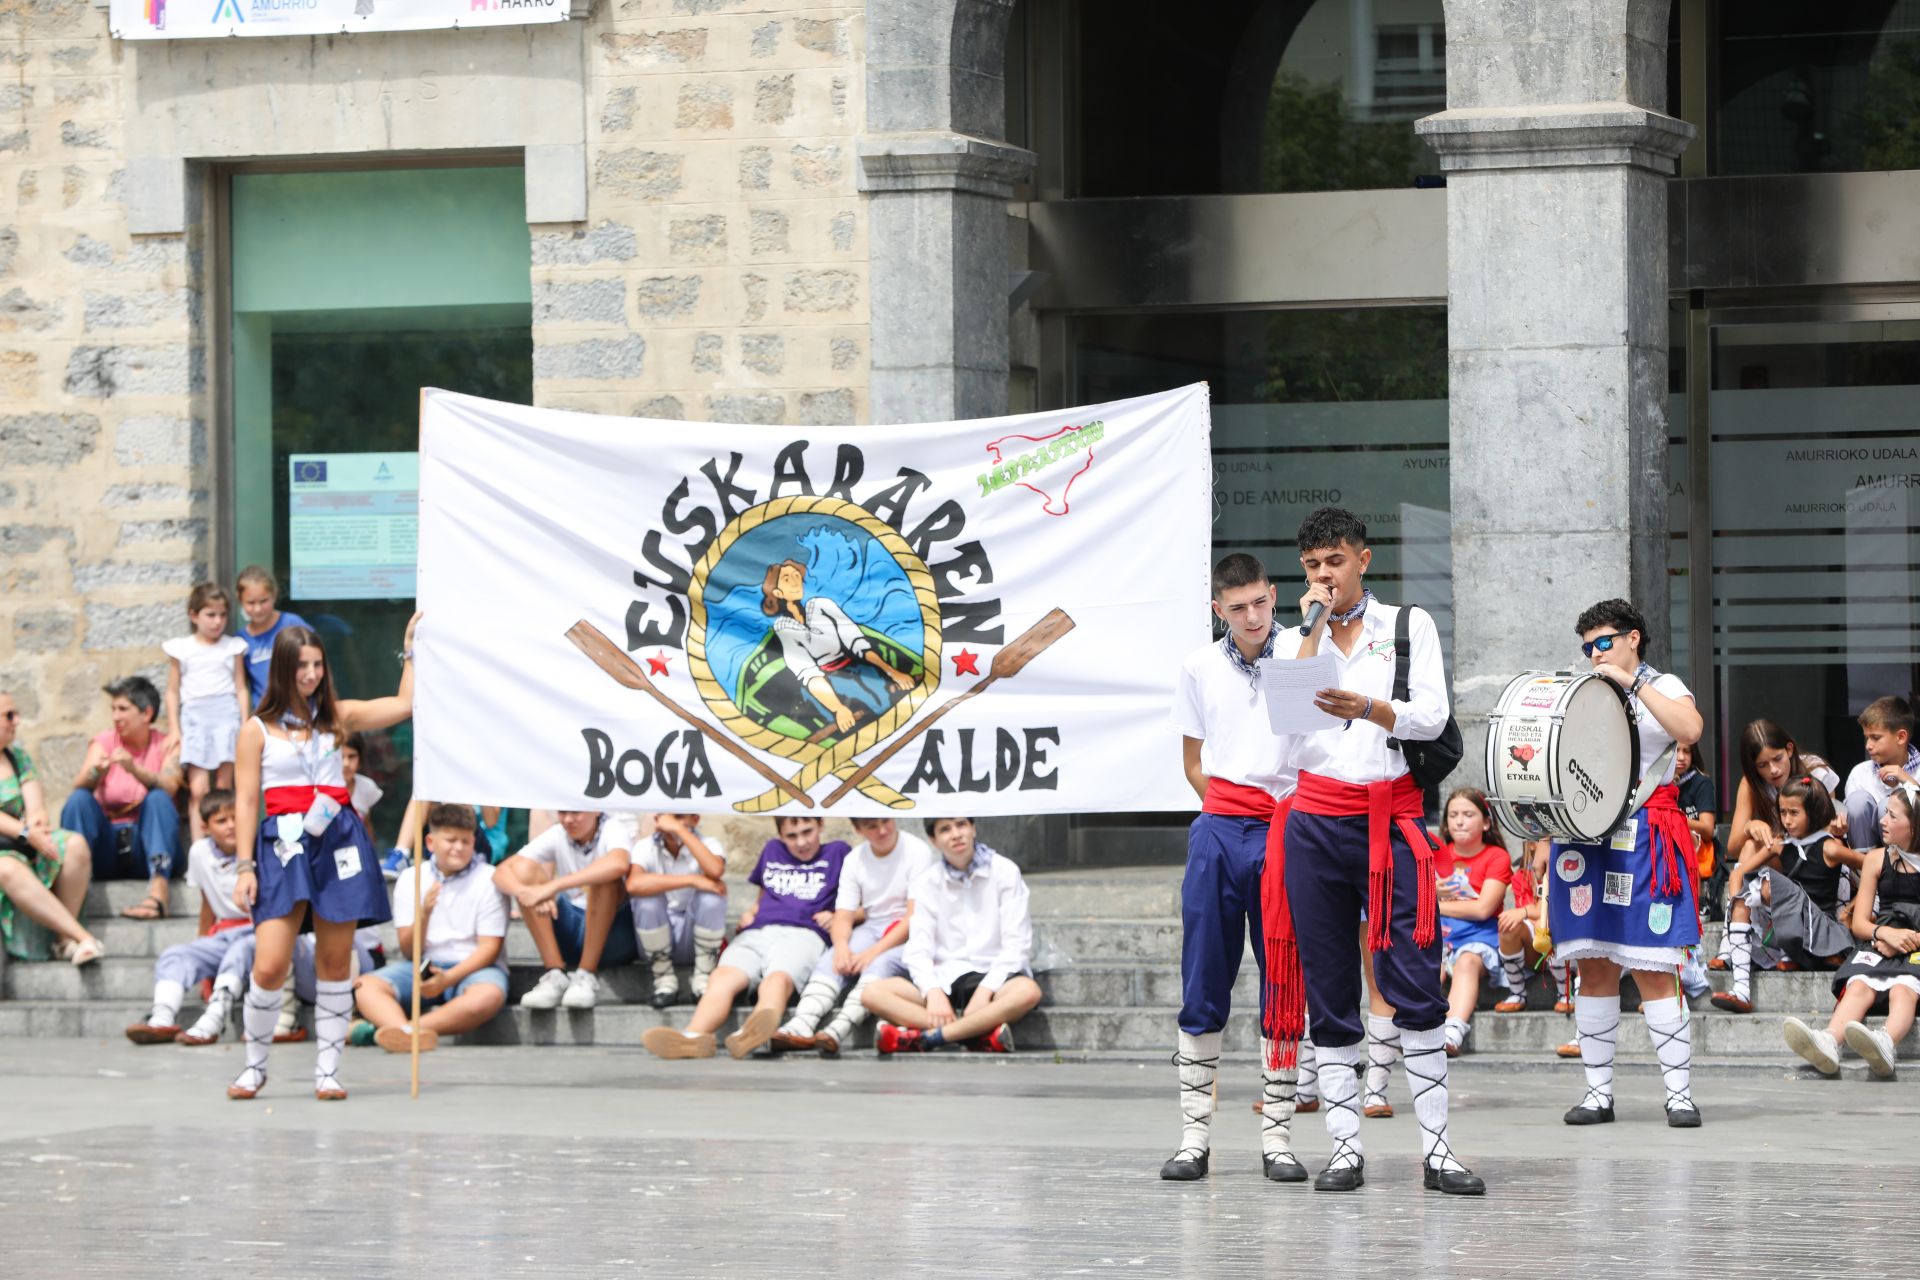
x: 410, y: 837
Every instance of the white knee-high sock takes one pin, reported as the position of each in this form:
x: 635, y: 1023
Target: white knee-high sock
x: 1726, y: 942
x: 706, y: 956
x: 332, y: 1013
x: 1453, y: 1033
x: 1740, y: 959
x: 1308, y: 1089
x: 656, y: 945
x: 167, y: 997
x: 1425, y: 1053
x: 1340, y: 1095
x: 1598, y: 1018
x: 1278, y: 1089
x: 1672, y: 1036
x: 1383, y: 1046
x: 1562, y: 978
x: 852, y: 1013
x: 816, y: 1002
x: 1514, y: 965
x: 258, y: 1014
x: 1197, y: 1063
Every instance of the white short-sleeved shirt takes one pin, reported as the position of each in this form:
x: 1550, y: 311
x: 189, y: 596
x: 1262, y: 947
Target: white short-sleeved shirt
x: 552, y: 848
x: 1358, y: 752
x: 1224, y: 708
x: 206, y: 670
x: 1653, y: 737
x: 651, y: 855
x: 879, y: 885
x: 469, y: 909
x: 213, y: 874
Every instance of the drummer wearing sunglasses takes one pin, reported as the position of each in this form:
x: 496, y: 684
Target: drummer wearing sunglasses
x: 1628, y: 902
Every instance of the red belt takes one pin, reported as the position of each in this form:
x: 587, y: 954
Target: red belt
x: 1284, y: 999
x: 281, y: 800
x: 1668, y: 834
x: 221, y: 926
x: 1387, y: 804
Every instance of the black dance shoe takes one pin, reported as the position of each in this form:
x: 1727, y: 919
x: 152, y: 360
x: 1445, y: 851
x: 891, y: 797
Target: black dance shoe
x: 1452, y: 1182
x: 1346, y: 1177
x: 1185, y: 1167
x: 1683, y: 1117
x: 1285, y: 1168
x: 1584, y: 1114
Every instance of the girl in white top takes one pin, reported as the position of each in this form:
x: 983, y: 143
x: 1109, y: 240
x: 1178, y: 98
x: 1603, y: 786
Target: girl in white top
x: 206, y: 695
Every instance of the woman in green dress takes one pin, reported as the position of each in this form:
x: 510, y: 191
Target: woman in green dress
x: 43, y: 870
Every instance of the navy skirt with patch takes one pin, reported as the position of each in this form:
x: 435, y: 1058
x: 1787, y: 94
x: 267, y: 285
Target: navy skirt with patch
x: 1600, y: 901
x: 313, y: 876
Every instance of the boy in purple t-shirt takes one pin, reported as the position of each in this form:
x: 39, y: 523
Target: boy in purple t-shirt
x: 782, y: 936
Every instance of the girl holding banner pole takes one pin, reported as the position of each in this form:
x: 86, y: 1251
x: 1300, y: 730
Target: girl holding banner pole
x: 304, y: 849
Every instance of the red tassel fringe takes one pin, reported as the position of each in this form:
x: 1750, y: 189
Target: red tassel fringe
x: 1284, y: 999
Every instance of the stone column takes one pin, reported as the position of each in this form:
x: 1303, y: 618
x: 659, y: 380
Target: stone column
x: 938, y: 185
x: 1557, y: 172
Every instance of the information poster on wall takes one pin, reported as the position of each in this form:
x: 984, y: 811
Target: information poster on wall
x: 353, y: 525
x: 219, y: 19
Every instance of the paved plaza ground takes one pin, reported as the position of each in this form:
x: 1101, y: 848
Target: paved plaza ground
x: 603, y: 1162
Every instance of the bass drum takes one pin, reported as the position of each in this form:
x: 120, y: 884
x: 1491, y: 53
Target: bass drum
x: 1562, y: 756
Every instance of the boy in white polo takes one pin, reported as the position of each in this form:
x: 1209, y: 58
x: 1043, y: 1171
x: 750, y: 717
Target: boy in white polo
x: 869, y: 933
x: 781, y: 937
x: 968, y: 947
x: 465, y: 983
x: 679, y: 890
x: 570, y: 882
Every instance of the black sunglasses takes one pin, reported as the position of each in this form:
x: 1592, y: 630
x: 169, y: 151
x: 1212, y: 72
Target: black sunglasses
x: 1602, y: 644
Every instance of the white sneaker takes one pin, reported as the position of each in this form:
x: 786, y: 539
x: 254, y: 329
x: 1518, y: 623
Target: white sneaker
x: 546, y: 993
x: 1817, y: 1047
x: 582, y: 990
x: 1875, y: 1045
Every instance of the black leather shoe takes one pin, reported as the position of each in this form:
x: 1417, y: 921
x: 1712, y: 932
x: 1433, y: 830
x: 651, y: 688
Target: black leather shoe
x: 1184, y: 1167
x: 665, y: 999
x: 1346, y: 1177
x: 1590, y: 1115
x: 1683, y: 1117
x: 1452, y: 1182
x: 1283, y: 1168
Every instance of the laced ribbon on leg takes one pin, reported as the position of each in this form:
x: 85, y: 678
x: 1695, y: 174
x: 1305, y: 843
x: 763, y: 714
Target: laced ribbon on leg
x: 259, y: 1012
x: 1340, y: 1095
x: 1278, y: 1091
x: 1196, y: 1074
x: 332, y: 1015
x: 1598, y: 1019
x: 1672, y: 1036
x: 1383, y: 1046
x: 1427, y: 1079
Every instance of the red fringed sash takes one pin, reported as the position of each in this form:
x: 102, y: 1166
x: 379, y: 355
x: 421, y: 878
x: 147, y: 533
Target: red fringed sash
x: 1387, y: 805
x: 1283, y: 1001
x: 1668, y: 834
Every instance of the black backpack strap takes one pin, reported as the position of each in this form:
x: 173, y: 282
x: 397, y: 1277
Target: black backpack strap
x: 1402, y: 657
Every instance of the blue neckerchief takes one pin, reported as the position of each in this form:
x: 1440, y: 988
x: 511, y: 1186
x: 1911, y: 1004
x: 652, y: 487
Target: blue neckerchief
x: 1359, y: 609
x: 982, y: 855
x: 1240, y: 664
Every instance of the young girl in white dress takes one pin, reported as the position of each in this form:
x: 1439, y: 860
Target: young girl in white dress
x: 206, y: 695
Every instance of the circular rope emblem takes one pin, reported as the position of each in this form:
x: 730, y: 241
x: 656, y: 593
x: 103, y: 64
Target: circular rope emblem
x: 814, y: 634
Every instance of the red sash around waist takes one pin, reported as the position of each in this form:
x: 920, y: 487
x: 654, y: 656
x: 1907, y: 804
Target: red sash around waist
x: 236, y: 922
x: 1668, y: 835
x: 1386, y: 804
x: 1283, y: 1002
x: 1236, y: 800
x: 281, y: 800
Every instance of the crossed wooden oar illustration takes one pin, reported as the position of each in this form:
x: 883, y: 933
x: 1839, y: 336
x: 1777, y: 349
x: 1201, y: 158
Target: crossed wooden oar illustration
x: 1009, y: 662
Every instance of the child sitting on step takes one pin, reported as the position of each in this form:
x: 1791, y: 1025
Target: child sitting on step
x: 212, y: 867
x: 462, y: 980
x: 1889, y: 962
x: 679, y: 891
x: 1474, y: 873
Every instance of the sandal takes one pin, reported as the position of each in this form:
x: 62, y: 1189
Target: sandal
x: 148, y: 908
x: 242, y: 1093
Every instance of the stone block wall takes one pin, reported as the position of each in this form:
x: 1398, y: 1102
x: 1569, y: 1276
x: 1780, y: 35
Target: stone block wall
x: 104, y: 476
x: 721, y: 273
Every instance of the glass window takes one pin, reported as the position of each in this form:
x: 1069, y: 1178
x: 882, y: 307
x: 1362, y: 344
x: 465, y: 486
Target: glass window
x: 1812, y: 88
x: 1814, y: 468
x: 351, y: 292
x: 1310, y: 408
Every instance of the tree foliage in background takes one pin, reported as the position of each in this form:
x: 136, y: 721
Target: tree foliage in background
x: 1365, y: 353
x: 1312, y: 143
x: 1886, y: 124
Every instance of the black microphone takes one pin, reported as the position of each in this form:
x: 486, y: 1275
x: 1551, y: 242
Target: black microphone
x: 1316, y: 611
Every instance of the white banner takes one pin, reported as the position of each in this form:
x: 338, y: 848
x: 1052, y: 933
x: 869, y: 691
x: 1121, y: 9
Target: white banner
x: 969, y: 618
x: 205, y: 19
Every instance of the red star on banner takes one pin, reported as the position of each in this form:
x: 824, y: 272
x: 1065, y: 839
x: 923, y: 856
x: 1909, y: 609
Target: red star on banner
x: 966, y: 664
x: 657, y: 665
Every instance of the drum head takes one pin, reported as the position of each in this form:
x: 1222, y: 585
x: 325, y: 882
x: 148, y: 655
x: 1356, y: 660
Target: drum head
x: 1596, y: 759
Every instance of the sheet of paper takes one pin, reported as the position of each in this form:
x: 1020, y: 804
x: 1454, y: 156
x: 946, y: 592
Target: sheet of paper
x: 1290, y: 684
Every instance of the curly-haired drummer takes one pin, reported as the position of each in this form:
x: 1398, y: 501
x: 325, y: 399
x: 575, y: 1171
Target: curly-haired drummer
x: 1628, y: 903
